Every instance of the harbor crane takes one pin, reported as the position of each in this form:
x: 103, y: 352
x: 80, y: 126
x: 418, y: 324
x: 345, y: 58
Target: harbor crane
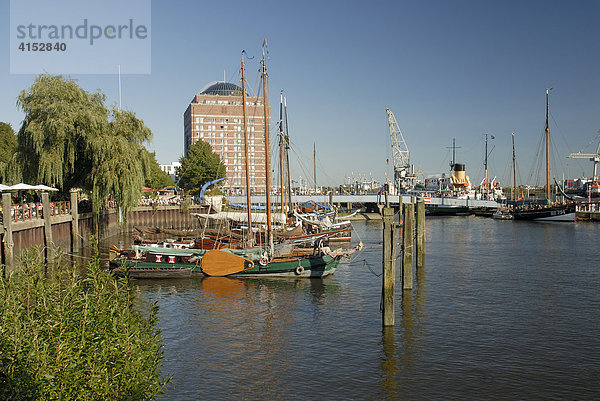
x: 403, y: 179
x: 593, y: 157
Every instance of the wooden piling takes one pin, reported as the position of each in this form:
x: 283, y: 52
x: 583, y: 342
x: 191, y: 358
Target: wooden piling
x: 7, y: 242
x: 48, y: 242
x: 389, y: 270
x: 75, y: 237
x: 407, y: 241
x: 420, y: 233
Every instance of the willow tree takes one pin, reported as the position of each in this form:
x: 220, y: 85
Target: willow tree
x: 53, y: 142
x: 8, y: 143
x: 70, y: 139
x: 120, y: 162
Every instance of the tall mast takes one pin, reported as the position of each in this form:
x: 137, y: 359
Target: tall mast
x: 246, y: 153
x: 281, y: 151
x: 514, y: 168
x: 485, y: 164
x: 315, y: 164
x: 267, y: 149
x: 287, y: 154
x: 547, y: 146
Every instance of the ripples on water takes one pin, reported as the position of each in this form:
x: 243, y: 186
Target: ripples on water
x: 502, y: 310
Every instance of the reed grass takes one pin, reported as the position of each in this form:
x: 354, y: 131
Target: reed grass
x: 75, y: 333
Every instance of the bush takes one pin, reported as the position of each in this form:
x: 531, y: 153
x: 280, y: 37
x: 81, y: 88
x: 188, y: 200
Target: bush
x: 70, y: 332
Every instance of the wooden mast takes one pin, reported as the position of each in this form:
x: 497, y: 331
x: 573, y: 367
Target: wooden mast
x: 248, y: 202
x: 315, y: 164
x: 267, y: 150
x: 287, y: 155
x: 514, y: 168
x: 485, y: 165
x: 547, y: 147
x: 281, y: 152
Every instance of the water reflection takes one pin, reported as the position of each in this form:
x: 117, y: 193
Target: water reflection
x: 389, y: 364
x: 460, y: 333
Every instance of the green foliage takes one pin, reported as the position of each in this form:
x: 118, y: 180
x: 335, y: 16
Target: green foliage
x: 60, y: 120
x: 74, y: 333
x: 200, y: 166
x: 157, y: 178
x: 120, y: 162
x: 70, y: 139
x: 8, y: 143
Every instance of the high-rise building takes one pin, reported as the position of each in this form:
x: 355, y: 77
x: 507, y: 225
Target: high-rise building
x: 215, y: 116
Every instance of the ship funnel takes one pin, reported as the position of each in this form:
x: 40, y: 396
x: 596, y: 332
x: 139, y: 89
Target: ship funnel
x: 459, y: 173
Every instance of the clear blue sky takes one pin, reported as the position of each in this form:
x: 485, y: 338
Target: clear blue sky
x: 447, y: 69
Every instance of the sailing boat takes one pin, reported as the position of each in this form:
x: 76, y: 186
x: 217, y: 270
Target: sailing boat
x: 547, y: 211
x: 503, y: 212
x: 271, y: 262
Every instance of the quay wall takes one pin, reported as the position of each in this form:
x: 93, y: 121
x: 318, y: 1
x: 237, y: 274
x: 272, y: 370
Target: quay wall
x: 71, y: 231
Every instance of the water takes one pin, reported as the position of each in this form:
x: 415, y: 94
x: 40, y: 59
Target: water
x: 502, y: 310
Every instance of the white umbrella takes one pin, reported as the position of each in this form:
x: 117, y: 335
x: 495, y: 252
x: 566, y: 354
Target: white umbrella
x: 21, y: 187
x: 44, y: 188
x: 4, y: 187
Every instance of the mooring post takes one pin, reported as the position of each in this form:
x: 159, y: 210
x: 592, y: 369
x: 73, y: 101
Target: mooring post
x: 7, y: 242
x: 75, y: 237
x: 389, y: 270
x: 47, y: 226
x: 400, y: 211
x: 408, y: 229
x: 420, y: 233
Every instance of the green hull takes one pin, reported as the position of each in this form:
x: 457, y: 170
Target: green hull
x: 143, y: 269
x: 308, y: 267
x: 319, y: 266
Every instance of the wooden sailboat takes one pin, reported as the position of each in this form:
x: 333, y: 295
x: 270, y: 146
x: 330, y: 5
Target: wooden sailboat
x: 547, y: 211
x: 269, y: 263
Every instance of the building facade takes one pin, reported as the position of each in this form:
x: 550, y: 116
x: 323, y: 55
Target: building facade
x: 215, y: 116
x: 171, y: 169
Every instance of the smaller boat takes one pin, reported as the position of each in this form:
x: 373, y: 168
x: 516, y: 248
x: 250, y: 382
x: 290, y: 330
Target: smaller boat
x: 502, y: 213
x: 152, y: 262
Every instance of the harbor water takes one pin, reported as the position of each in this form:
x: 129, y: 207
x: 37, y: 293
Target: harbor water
x: 503, y: 310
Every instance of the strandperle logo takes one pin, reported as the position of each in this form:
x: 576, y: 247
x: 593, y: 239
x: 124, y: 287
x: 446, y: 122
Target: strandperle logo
x: 86, y: 31
x: 80, y: 36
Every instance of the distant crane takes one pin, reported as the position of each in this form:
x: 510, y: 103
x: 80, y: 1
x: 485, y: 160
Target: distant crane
x: 400, y: 154
x: 594, y: 157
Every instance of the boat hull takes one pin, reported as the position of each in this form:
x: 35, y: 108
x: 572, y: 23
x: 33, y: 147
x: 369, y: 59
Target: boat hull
x: 151, y: 270
x: 294, y: 267
x: 564, y: 213
x: 446, y: 210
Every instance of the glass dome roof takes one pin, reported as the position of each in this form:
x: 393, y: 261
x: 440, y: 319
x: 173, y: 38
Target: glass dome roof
x: 222, y: 89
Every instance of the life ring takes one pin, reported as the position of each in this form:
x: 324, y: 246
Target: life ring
x: 263, y: 261
x: 299, y: 270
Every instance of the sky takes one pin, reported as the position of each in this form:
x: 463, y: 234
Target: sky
x: 447, y: 69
